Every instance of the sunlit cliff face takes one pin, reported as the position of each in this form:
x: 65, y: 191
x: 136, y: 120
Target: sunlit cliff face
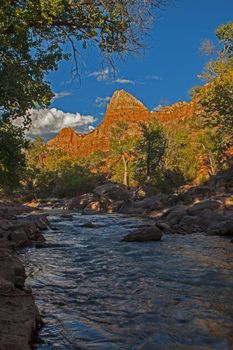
x: 122, y: 107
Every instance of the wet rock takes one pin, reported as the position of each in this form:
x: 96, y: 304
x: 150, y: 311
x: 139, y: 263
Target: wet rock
x: 90, y: 225
x: 66, y: 216
x: 151, y: 233
x: 40, y: 238
x: 163, y: 226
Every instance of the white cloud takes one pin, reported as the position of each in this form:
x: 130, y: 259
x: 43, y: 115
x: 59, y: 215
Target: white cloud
x: 101, y: 75
x: 124, y: 81
x: 102, y: 101
x: 61, y: 94
x: 53, y: 120
x: 157, y: 108
x: 153, y: 77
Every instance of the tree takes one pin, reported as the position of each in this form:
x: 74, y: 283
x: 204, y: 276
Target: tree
x: 182, y: 153
x: 33, y: 34
x: 150, y: 149
x: 216, y: 97
x: 122, y: 142
x: 12, y: 156
x: 33, y: 40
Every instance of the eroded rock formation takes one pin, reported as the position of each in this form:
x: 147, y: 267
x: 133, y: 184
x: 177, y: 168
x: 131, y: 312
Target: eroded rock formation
x: 122, y: 107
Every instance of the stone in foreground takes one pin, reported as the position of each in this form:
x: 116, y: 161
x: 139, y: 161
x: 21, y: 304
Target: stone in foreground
x: 152, y: 233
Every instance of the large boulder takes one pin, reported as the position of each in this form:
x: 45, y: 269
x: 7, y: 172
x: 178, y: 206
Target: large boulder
x: 142, y: 206
x: 224, y: 228
x: 145, y: 234
x: 113, y: 191
x: 210, y: 204
x: 176, y: 214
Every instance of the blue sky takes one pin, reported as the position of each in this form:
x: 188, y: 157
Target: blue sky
x: 163, y: 74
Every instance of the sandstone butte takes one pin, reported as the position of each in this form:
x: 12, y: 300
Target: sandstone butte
x: 122, y: 107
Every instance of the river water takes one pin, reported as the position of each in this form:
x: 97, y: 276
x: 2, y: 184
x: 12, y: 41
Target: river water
x: 98, y: 293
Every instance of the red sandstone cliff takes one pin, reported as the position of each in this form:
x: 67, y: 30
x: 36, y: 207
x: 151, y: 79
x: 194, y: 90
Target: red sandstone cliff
x: 122, y: 107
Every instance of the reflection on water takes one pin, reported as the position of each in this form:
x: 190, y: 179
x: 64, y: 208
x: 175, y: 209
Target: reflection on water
x: 96, y: 292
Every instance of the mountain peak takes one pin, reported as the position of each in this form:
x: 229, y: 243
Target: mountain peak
x: 123, y: 100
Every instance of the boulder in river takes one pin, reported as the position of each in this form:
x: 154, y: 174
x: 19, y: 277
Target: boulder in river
x: 145, y: 234
x: 90, y: 224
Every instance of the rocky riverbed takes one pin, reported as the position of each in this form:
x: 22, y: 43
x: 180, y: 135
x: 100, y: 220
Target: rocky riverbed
x: 19, y: 316
x: 201, y: 212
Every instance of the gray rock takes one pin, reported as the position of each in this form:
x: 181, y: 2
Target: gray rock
x: 221, y: 229
x: 90, y: 225
x: 210, y: 204
x: 175, y: 215
x: 150, y: 233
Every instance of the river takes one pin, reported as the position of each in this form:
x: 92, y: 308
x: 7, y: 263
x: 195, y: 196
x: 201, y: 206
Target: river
x: 98, y: 293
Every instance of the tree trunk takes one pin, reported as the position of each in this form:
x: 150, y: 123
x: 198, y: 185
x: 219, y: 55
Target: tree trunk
x: 126, y: 175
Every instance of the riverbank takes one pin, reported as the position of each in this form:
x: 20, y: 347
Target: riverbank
x: 201, y: 209
x: 19, y: 316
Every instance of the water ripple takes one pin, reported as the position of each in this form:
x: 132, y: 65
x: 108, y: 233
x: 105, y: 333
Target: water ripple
x: 96, y: 292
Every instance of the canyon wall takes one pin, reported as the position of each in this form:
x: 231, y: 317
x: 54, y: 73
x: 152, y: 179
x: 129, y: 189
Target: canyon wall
x: 122, y: 107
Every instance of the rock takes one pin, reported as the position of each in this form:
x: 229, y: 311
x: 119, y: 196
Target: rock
x: 19, y: 316
x: 19, y: 237
x: 163, y: 226
x: 66, y: 216
x: 175, y: 214
x: 221, y: 229
x: 200, y: 191
x: 95, y: 207
x: 113, y: 191
x: 90, y: 225
x: 189, y: 220
x: 151, y: 233
x: 141, y: 206
x: 86, y: 199
x: 40, y: 238
x: 121, y: 105
x: 73, y: 203
x: 210, y: 204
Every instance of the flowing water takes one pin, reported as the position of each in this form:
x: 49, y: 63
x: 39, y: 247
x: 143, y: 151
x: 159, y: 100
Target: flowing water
x: 96, y: 292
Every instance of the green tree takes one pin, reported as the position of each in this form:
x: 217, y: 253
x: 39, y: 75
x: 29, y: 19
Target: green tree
x: 33, y: 34
x: 181, y: 153
x: 33, y: 40
x: 150, y: 150
x: 122, y: 143
x: 12, y: 156
x: 216, y: 97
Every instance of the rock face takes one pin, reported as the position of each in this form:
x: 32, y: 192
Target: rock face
x: 19, y: 316
x: 122, y: 107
